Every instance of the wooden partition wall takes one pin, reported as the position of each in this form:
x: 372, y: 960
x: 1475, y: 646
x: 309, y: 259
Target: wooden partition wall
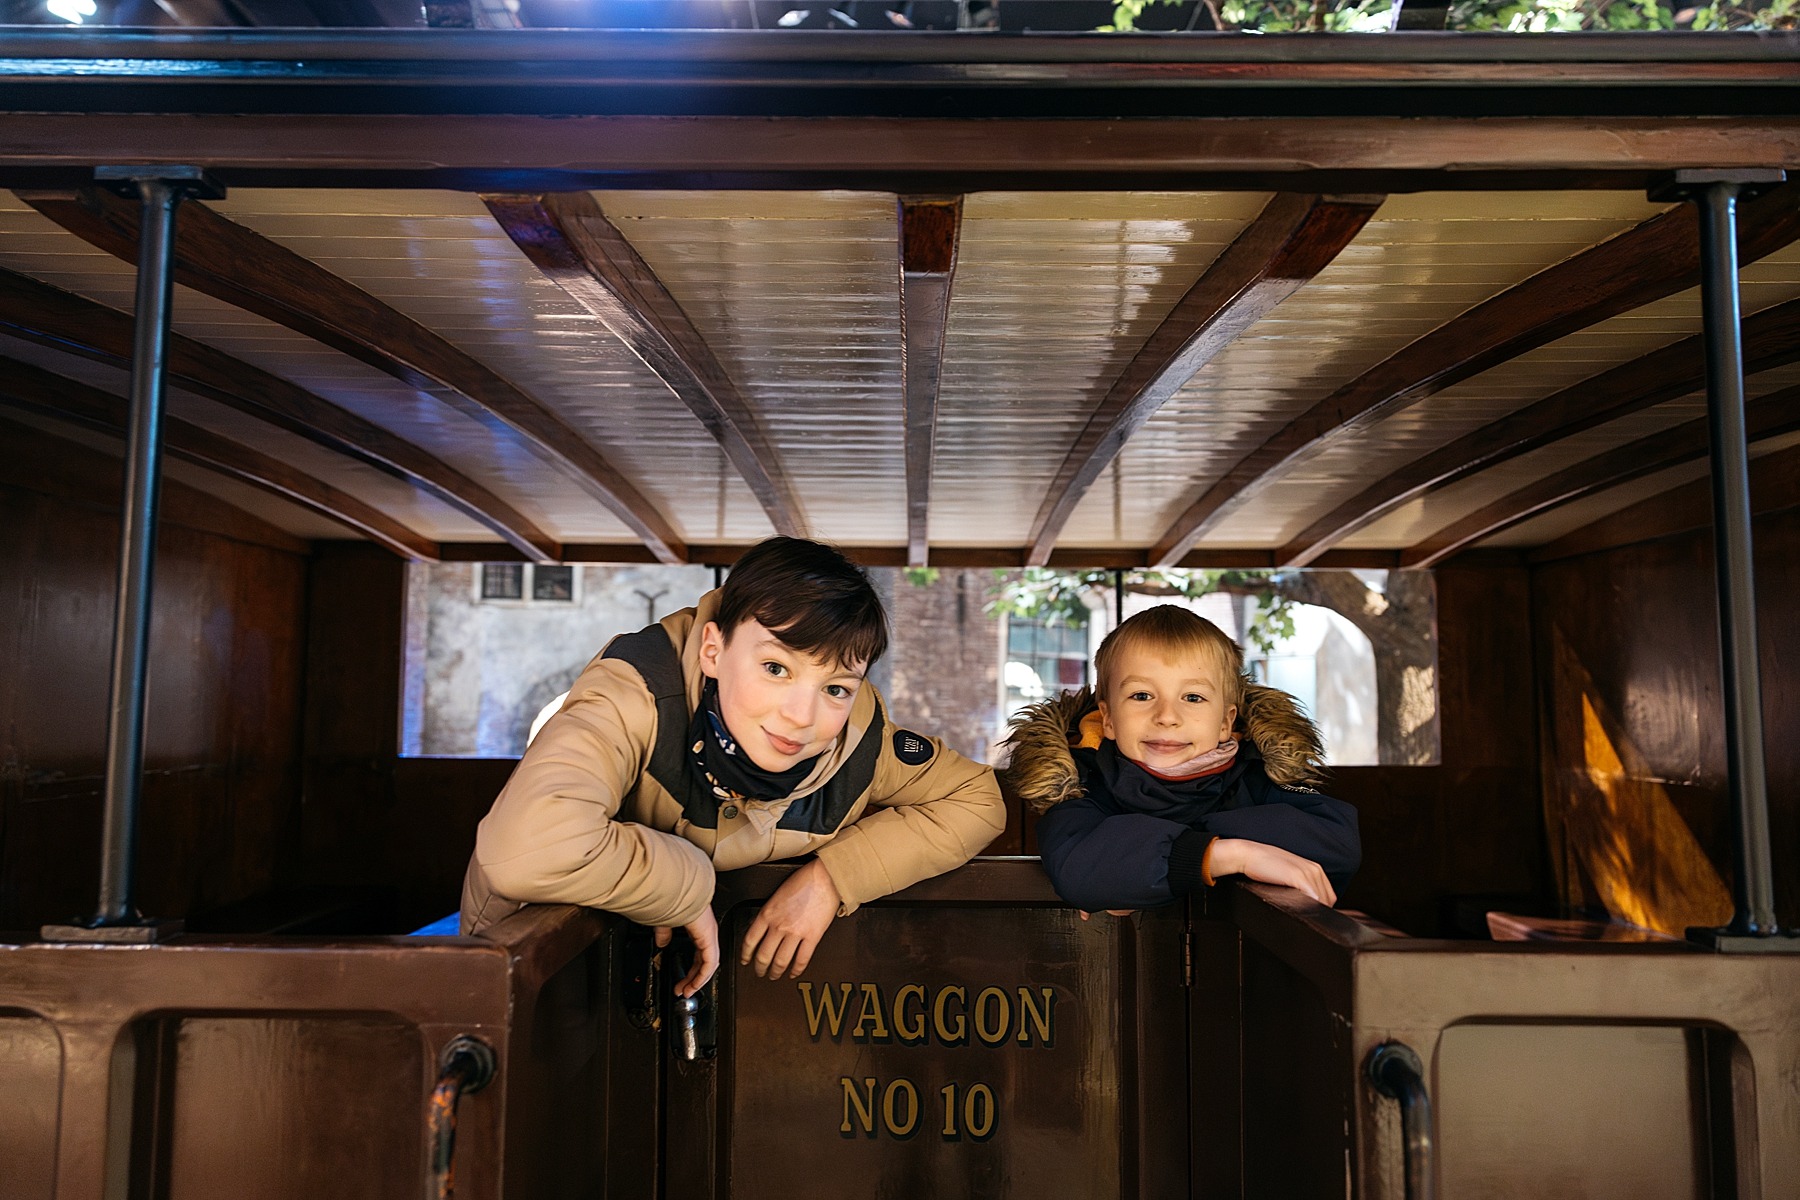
x: 222, y: 752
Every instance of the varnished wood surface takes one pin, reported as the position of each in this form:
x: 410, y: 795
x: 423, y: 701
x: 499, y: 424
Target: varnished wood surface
x: 1654, y: 260
x: 1771, y: 339
x: 1774, y: 485
x: 47, y: 315
x: 1291, y: 240
x: 222, y: 739
x: 929, y: 229
x: 1768, y: 417
x: 233, y: 263
x: 571, y: 241
x: 43, y: 391
x: 1635, y: 793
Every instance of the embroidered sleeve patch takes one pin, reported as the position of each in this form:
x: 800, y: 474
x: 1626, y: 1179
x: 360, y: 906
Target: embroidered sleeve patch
x: 911, y: 748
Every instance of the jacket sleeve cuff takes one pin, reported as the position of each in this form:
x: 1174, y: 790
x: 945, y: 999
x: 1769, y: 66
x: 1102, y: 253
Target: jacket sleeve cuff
x: 1187, y: 862
x: 855, y: 869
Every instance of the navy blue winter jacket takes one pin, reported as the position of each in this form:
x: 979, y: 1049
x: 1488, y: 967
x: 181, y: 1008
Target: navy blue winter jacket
x: 1134, y: 841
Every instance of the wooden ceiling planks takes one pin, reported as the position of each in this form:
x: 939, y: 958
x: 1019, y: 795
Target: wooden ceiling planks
x: 38, y: 312
x: 236, y: 264
x: 1770, y: 416
x: 569, y: 238
x: 1294, y: 238
x: 35, y: 389
x: 1655, y: 259
x: 929, y: 231
x: 1764, y: 227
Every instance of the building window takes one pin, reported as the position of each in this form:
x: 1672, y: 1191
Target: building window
x: 526, y: 583
x: 1043, y: 659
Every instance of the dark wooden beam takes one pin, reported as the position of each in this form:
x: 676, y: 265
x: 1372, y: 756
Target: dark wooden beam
x: 569, y: 239
x: 1771, y: 339
x: 1290, y: 241
x: 38, y: 312
x: 240, y: 266
x: 1768, y: 417
x: 929, y: 229
x: 1655, y: 259
x: 914, y: 154
x: 947, y: 557
x: 1774, y: 485
x: 32, y: 388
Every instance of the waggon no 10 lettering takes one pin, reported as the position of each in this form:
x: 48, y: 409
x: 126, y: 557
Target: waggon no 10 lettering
x: 917, y: 1015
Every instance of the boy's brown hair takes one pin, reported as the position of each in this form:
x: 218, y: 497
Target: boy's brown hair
x: 1173, y: 632
x: 810, y: 597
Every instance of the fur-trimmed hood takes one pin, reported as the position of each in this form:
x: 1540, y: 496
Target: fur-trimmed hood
x: 1041, y: 771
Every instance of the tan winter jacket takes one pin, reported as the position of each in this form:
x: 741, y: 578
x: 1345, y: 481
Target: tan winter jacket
x: 593, y: 815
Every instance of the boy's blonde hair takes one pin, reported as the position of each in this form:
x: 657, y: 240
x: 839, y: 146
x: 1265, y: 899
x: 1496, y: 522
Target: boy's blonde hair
x: 1174, y: 633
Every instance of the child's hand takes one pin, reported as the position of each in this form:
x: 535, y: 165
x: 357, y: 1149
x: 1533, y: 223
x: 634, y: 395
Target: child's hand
x: 1270, y: 864
x: 1112, y: 912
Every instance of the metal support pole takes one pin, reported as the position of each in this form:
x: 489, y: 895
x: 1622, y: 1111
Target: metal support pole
x: 1118, y: 598
x: 131, y: 626
x: 1715, y: 195
x: 160, y: 190
x: 1753, y: 891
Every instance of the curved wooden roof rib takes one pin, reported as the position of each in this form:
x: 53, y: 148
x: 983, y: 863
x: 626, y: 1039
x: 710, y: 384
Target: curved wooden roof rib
x: 38, y: 312
x: 929, y: 229
x: 1768, y: 417
x: 1764, y: 226
x: 1648, y: 262
x: 569, y: 239
x: 234, y: 263
x: 35, y: 389
x: 1290, y: 241
x: 1771, y: 338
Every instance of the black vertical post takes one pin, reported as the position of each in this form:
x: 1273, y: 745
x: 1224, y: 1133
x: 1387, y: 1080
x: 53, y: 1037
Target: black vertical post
x: 131, y: 627
x: 1118, y: 598
x: 1715, y: 195
x: 1754, y: 891
x: 159, y: 190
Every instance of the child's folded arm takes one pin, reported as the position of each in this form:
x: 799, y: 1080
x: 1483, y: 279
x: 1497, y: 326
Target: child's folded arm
x: 1099, y: 860
x: 1305, y: 823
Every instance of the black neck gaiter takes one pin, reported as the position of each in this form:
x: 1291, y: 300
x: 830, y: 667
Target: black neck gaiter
x: 724, y: 767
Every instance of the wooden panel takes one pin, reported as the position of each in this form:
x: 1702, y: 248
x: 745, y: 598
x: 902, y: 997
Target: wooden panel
x: 1291, y: 240
x: 1627, y: 644
x: 221, y: 750
x: 241, y: 267
x: 1655, y: 259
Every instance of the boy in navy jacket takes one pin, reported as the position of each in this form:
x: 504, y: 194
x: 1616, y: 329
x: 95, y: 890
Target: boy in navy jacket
x: 1179, y: 772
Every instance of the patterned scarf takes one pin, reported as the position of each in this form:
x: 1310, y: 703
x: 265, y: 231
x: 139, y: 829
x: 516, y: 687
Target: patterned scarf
x: 724, y: 768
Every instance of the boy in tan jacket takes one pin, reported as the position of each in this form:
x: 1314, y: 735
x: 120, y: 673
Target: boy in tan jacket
x: 738, y: 731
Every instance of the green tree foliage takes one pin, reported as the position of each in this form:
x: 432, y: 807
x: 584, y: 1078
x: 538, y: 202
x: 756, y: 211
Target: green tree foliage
x: 1055, y: 597
x: 1507, y: 16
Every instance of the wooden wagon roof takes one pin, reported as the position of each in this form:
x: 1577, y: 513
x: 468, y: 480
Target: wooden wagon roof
x: 977, y: 300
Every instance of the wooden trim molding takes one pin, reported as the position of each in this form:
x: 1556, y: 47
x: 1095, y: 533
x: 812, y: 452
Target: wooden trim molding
x: 36, y: 390
x: 236, y: 264
x: 1646, y: 263
x: 569, y: 239
x: 1662, y: 375
x: 947, y: 557
x: 1771, y: 416
x: 1290, y: 241
x: 929, y: 231
x: 1774, y: 485
x: 49, y: 316
x: 1771, y: 339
